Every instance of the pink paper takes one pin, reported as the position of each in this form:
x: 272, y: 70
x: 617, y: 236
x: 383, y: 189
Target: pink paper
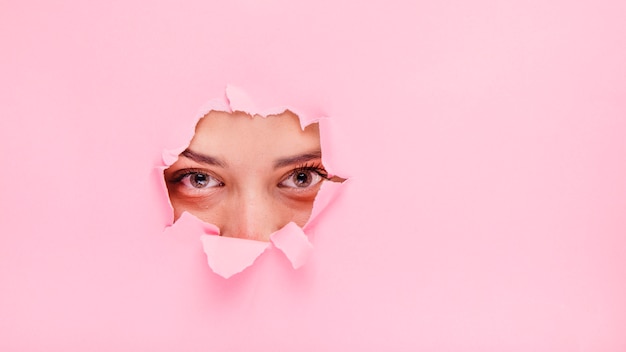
x: 483, y: 142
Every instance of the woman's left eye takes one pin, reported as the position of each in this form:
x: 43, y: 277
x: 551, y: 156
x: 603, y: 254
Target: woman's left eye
x: 302, y: 179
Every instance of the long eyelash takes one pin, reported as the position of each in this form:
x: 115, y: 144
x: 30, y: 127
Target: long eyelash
x: 181, y: 174
x: 317, y: 167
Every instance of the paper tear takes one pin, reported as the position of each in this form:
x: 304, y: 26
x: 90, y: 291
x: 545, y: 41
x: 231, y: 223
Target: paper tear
x: 170, y: 156
x: 238, y: 100
x: 292, y: 241
x: 228, y: 256
x: 213, y: 105
x: 189, y: 224
x: 326, y: 195
x: 332, y: 158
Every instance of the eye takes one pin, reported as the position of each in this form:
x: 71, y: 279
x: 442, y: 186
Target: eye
x: 199, y: 180
x: 303, y: 178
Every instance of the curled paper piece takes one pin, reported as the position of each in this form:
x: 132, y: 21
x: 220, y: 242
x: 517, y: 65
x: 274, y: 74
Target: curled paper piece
x: 227, y: 256
x: 292, y: 241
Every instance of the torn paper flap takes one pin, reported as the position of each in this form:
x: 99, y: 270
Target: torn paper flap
x: 292, y: 241
x: 189, y: 224
x: 228, y: 256
x: 326, y: 195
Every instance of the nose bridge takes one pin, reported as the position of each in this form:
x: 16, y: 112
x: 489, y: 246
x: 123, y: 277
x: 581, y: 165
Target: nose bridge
x: 251, y: 215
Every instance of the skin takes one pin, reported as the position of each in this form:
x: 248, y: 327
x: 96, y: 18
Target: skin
x: 249, y: 176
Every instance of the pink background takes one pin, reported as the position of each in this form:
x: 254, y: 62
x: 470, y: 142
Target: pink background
x: 484, y: 141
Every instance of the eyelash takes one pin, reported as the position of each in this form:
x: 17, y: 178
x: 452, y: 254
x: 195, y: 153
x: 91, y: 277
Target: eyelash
x: 307, y: 167
x: 181, y: 174
x: 314, y: 167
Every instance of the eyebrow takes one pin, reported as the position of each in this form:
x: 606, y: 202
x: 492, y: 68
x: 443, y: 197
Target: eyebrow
x: 297, y: 159
x: 202, y: 158
x: 282, y: 162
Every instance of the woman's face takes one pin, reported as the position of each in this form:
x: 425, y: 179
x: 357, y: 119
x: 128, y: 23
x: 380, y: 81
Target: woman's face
x: 249, y: 176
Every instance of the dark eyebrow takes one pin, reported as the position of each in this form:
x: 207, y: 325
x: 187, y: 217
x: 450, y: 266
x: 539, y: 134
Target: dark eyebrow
x: 202, y: 158
x: 297, y: 159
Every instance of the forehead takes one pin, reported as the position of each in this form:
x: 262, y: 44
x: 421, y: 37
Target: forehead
x: 241, y: 136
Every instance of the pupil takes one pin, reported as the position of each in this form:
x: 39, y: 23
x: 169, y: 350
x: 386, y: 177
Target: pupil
x: 302, y: 179
x: 199, y: 180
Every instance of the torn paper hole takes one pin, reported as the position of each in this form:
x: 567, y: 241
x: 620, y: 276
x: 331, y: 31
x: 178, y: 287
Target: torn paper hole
x: 247, y: 177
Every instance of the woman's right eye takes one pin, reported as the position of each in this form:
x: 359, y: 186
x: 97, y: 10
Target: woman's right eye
x: 199, y: 180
